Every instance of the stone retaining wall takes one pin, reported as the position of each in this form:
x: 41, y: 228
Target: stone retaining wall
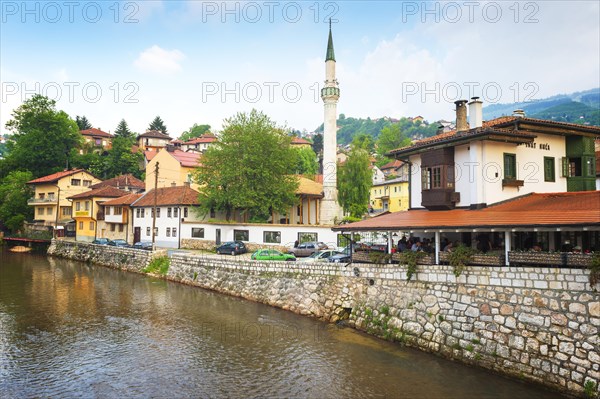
x: 538, y: 324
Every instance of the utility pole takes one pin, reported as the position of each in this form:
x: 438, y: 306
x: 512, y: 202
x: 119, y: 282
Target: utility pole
x: 154, y: 208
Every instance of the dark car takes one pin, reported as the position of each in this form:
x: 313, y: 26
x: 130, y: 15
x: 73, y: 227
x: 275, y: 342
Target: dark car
x: 147, y: 245
x: 340, y: 258
x: 232, y: 247
x: 118, y: 243
x: 101, y: 241
x: 307, y: 248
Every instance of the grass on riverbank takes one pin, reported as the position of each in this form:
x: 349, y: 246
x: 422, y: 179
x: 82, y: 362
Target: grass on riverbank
x: 159, y: 265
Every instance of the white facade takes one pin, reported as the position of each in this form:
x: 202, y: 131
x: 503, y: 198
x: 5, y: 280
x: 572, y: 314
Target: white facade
x: 168, y: 224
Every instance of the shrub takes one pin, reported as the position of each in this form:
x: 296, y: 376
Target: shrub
x: 459, y: 258
x: 158, y: 265
x: 411, y: 258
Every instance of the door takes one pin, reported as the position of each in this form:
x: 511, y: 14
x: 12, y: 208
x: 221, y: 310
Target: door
x: 137, y: 233
x: 218, y: 237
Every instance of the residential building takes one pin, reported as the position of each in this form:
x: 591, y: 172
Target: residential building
x: 390, y: 195
x: 87, y: 211
x: 378, y: 176
x: 152, y: 140
x: 199, y: 144
x: 175, y: 168
x: 118, y: 219
x: 51, y: 208
x: 299, y: 142
x: 96, y: 140
x: 127, y: 182
x: 395, y: 169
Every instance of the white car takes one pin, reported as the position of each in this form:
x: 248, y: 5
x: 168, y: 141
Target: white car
x: 321, y: 256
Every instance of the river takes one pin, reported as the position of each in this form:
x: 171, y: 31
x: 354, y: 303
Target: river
x: 68, y: 329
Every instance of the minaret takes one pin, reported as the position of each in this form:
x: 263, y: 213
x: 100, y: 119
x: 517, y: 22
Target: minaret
x: 330, y: 94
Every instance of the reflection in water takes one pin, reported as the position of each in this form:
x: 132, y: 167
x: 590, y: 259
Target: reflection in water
x: 72, y: 330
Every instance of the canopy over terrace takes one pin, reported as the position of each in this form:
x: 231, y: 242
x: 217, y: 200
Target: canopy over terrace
x: 558, y: 213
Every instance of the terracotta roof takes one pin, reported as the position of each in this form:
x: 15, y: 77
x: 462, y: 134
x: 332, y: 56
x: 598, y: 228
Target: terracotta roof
x: 532, y: 210
x: 95, y: 133
x: 55, y: 176
x: 127, y: 180
x: 395, y: 164
x: 180, y: 195
x: 309, y: 187
x: 124, y: 200
x: 107, y: 192
x: 202, y: 139
x: 150, y: 155
x: 155, y: 134
x: 187, y: 159
x: 300, y: 141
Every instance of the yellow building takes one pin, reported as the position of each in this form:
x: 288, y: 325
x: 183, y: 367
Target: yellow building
x: 96, y: 140
x: 175, y: 168
x: 87, y: 210
x: 391, y: 196
x: 50, y: 204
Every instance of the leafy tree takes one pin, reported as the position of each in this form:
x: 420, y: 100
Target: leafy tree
x: 123, y: 130
x: 317, y: 143
x: 83, y: 123
x: 194, y: 131
x: 248, y: 168
x: 306, y: 161
x: 43, y: 138
x: 114, y: 162
x: 158, y: 124
x: 364, y: 141
x: 354, y: 182
x: 14, y: 194
x: 391, y: 138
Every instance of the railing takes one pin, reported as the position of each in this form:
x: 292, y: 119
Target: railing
x: 33, y: 201
x: 559, y: 259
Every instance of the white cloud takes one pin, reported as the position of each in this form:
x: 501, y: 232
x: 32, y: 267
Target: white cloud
x: 159, y: 60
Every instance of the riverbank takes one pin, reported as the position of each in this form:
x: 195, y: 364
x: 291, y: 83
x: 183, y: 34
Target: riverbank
x: 536, y: 324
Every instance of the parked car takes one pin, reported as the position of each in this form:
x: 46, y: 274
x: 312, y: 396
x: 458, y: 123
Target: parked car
x: 232, y: 247
x: 101, y: 241
x: 147, y: 245
x: 340, y: 258
x: 321, y: 256
x: 272, y: 254
x: 119, y: 243
x: 307, y: 248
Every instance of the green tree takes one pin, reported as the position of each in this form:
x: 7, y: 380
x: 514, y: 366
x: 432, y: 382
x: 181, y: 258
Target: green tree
x: 158, y: 124
x: 43, y: 138
x: 391, y: 137
x: 83, y: 123
x: 194, y: 131
x: 354, y: 182
x: 317, y: 143
x: 306, y: 161
x: 123, y: 130
x: 14, y: 193
x: 248, y: 168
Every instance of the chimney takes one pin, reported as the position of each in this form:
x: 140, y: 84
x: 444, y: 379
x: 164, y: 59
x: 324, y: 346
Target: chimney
x: 440, y: 129
x: 461, y: 116
x: 519, y: 113
x: 475, y: 112
x: 170, y: 147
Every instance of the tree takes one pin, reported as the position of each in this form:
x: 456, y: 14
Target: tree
x: 317, y: 143
x: 158, y: 124
x: 306, y: 161
x: 14, y: 194
x: 83, y: 123
x: 354, y: 182
x: 391, y: 137
x: 194, y: 131
x: 123, y: 130
x: 43, y: 138
x: 248, y: 168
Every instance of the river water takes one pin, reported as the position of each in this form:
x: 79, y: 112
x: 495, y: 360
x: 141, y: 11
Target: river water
x: 68, y: 329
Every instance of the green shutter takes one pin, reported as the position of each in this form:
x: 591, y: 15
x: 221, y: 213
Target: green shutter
x: 564, y: 167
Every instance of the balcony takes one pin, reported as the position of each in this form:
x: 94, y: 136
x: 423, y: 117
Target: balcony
x: 439, y: 199
x: 41, y: 201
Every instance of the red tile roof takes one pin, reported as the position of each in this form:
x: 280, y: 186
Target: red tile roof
x: 300, y: 141
x: 106, y: 192
x: 395, y: 164
x: 155, y: 134
x: 127, y: 180
x: 150, y: 155
x: 180, y: 195
x: 55, y: 176
x: 187, y: 159
x: 532, y: 210
x: 95, y: 133
x: 124, y: 200
x: 205, y: 138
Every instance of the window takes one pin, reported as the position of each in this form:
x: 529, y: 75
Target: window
x: 157, y: 212
x: 91, y: 225
x: 40, y: 211
x: 76, y: 182
x: 589, y: 166
x: 49, y: 211
x: 107, y: 210
x: 510, y: 166
x: 426, y: 179
x: 436, y: 177
x: 549, y: 169
x: 168, y: 212
x: 175, y: 212
x: 87, y: 205
x: 42, y: 196
x: 80, y: 225
x: 272, y: 237
x: 137, y: 213
x: 66, y: 211
x: 118, y: 210
x: 87, y: 183
x: 241, y: 235
x: 197, y: 232
x: 78, y: 206
x: 148, y: 231
x: 574, y: 167
x: 112, y: 227
x: 51, y: 196
x: 185, y: 212
x: 174, y: 231
x: 155, y: 231
x: 121, y: 227
x: 306, y: 237
x: 168, y: 232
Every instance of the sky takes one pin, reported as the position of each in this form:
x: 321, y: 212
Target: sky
x: 204, y: 61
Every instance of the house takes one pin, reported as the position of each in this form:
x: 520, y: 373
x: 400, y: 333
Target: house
x: 88, y: 210
x: 153, y: 140
x: 389, y: 195
x: 394, y: 169
x: 127, y: 182
x: 299, y: 142
x: 199, y: 144
x: 118, y: 218
x: 174, y: 167
x: 51, y: 208
x: 173, y: 206
x: 96, y: 140
x: 378, y: 176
